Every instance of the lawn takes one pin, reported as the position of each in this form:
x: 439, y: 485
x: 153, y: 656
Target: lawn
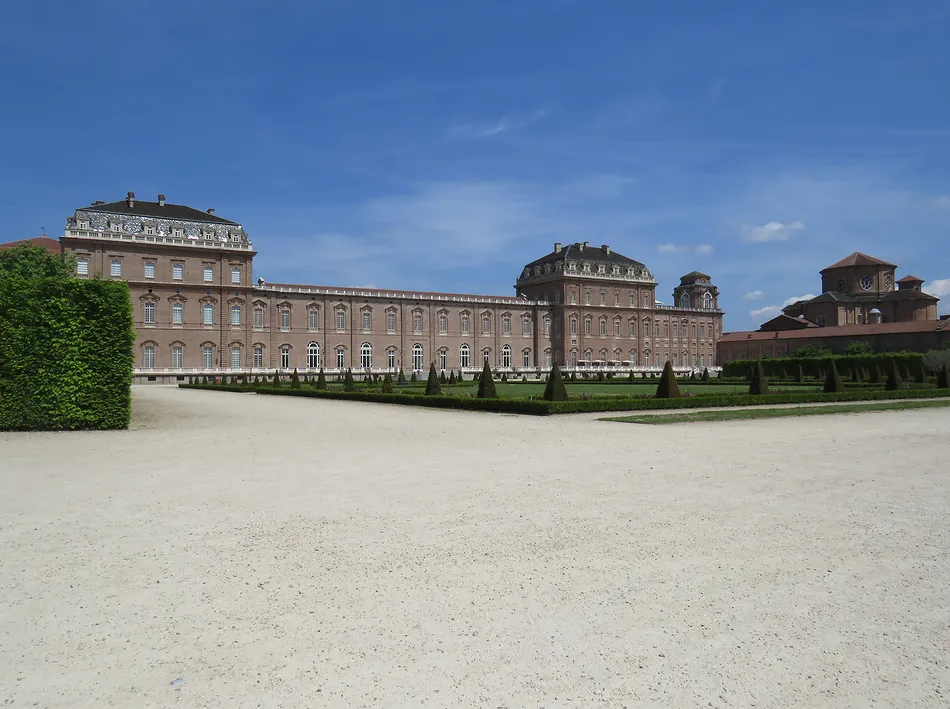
x: 598, y: 389
x: 749, y: 414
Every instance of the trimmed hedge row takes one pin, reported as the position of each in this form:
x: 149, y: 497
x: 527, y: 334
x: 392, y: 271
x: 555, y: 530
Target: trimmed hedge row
x: 813, y: 366
x: 540, y: 407
x: 66, y: 354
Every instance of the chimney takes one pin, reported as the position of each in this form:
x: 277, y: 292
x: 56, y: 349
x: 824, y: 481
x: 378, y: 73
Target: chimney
x: 161, y: 200
x: 586, y: 244
x: 98, y: 202
x: 605, y: 249
x: 211, y: 211
x: 130, y: 199
x: 557, y: 247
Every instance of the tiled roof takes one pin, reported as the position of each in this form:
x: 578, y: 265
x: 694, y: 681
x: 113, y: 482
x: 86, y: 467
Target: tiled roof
x: 858, y: 259
x: 45, y: 242
x: 695, y: 274
x: 910, y: 279
x: 887, y: 328
x: 581, y: 253
x: 835, y: 297
x: 383, y: 292
x: 786, y: 322
x: 175, y: 212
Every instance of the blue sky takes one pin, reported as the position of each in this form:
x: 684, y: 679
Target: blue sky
x: 441, y: 145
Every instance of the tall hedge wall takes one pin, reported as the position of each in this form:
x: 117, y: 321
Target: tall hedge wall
x: 66, y: 354
x: 814, y: 366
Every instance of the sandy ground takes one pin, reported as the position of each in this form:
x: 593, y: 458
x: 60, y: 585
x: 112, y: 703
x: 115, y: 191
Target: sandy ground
x: 241, y: 551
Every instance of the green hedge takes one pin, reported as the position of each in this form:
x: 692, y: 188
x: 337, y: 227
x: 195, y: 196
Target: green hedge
x: 66, y: 354
x: 813, y: 366
x: 540, y: 407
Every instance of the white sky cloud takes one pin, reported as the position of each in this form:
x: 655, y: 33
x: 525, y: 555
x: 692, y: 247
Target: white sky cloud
x: 767, y: 310
x: 477, y: 131
x: 698, y: 249
x: 796, y: 298
x: 773, y: 231
x: 772, y: 310
x: 753, y: 295
x: 939, y: 287
x: 943, y: 201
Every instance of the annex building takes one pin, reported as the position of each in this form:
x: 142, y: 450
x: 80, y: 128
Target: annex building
x: 199, y: 308
x: 861, y: 300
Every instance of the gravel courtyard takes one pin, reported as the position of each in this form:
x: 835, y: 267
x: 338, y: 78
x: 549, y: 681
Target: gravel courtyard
x: 236, y: 550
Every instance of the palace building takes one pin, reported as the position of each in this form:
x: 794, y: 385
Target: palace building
x: 861, y: 300
x: 199, y: 309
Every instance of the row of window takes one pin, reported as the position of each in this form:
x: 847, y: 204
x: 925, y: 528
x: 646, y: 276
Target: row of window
x: 178, y: 270
x: 177, y: 314
x: 697, y: 360
x: 632, y: 328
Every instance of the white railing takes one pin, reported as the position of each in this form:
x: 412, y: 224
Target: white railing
x: 404, y: 295
x: 358, y: 371
x: 157, y: 239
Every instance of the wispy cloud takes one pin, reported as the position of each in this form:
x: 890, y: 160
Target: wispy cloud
x: 942, y: 201
x: 766, y: 310
x: 796, y: 298
x: 773, y: 231
x: 939, y: 287
x: 714, y: 89
x: 771, y: 310
x: 698, y: 249
x: 479, y: 131
x: 753, y: 295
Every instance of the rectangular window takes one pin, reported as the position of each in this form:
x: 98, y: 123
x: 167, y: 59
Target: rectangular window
x: 207, y: 357
x: 207, y: 311
x: 284, y: 320
x: 340, y: 320
x: 463, y: 322
x: 443, y: 325
x: 148, y: 359
x: 525, y: 327
x: 557, y: 328
x: 284, y: 358
x: 235, y: 358
x: 526, y: 358
x: 617, y: 300
x: 616, y: 328
x: 506, y: 326
x: 209, y: 274
x: 82, y: 266
x: 235, y: 315
x: 603, y: 328
x: 258, y: 318
x: 573, y: 302
x: 177, y: 314
x: 236, y: 275
x: 442, y: 358
x: 390, y: 322
x: 587, y: 298
x: 603, y: 298
x: 116, y: 269
x: 150, y: 313
x: 178, y: 271
x: 391, y: 359
x: 149, y: 269
x: 176, y: 357
x: 546, y: 327
x: 586, y: 327
x: 417, y: 323
x: 367, y: 321
x: 486, y: 324
x: 341, y: 358
x: 633, y: 300
x: 313, y: 319
x: 258, y: 357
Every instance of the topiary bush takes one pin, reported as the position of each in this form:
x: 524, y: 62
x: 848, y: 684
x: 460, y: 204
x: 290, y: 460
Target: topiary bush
x: 321, y: 384
x: 294, y: 380
x: 413, y: 379
x: 705, y: 377
x: 758, y: 384
x: 668, y: 388
x: 894, y: 380
x: 348, y: 383
x: 833, y: 381
x: 555, y: 390
x: 387, y: 384
x: 943, y: 377
x: 432, y: 383
x: 276, y: 382
x: 401, y: 379
x: 486, y: 384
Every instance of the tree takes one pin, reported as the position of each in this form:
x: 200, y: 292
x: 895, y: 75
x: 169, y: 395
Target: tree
x: 705, y: 377
x: 555, y: 390
x: 295, y: 380
x: 858, y: 348
x: 812, y: 351
x: 668, y: 388
x: 348, y: 383
x: 401, y: 379
x: 758, y: 384
x: 486, y: 384
x: 432, y: 383
x: 276, y: 381
x: 387, y: 384
x: 894, y: 381
x: 943, y: 377
x: 833, y: 381
x: 321, y: 381
x: 32, y: 261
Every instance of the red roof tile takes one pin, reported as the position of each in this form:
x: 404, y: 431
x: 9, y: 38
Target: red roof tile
x: 886, y: 328
x: 45, y: 242
x: 910, y: 279
x: 858, y: 259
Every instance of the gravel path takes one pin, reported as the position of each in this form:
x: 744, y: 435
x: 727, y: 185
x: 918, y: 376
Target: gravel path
x: 246, y: 551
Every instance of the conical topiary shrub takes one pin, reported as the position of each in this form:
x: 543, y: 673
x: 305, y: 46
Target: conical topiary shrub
x: 387, y: 384
x: 524, y: 377
x: 705, y: 377
x: 894, y: 380
x: 276, y: 382
x: 486, y: 384
x: 349, y: 384
x: 668, y: 388
x: 921, y: 377
x: 413, y: 379
x: 432, y: 383
x: 295, y: 380
x: 943, y: 377
x: 442, y: 379
x: 876, y: 375
x: 573, y: 377
x: 833, y: 381
x: 554, y: 390
x: 401, y: 379
x: 758, y: 384
x: 630, y: 376
x: 452, y: 377
x: 800, y: 375
x: 504, y: 377
x: 321, y: 384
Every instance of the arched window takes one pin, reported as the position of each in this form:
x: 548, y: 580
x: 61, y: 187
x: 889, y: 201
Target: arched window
x: 707, y: 301
x: 486, y: 355
x: 285, y: 357
x: 685, y: 301
x: 465, y: 356
x: 236, y: 357
x: 506, y: 356
x: 207, y: 356
x: 574, y: 358
x: 547, y: 357
x: 618, y: 355
x: 366, y: 355
x: 526, y: 357
x: 418, y: 358
x: 313, y: 355
x: 588, y: 355
x: 603, y: 355
x: 391, y: 358
x: 443, y: 356
x: 340, y: 357
x: 148, y: 356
